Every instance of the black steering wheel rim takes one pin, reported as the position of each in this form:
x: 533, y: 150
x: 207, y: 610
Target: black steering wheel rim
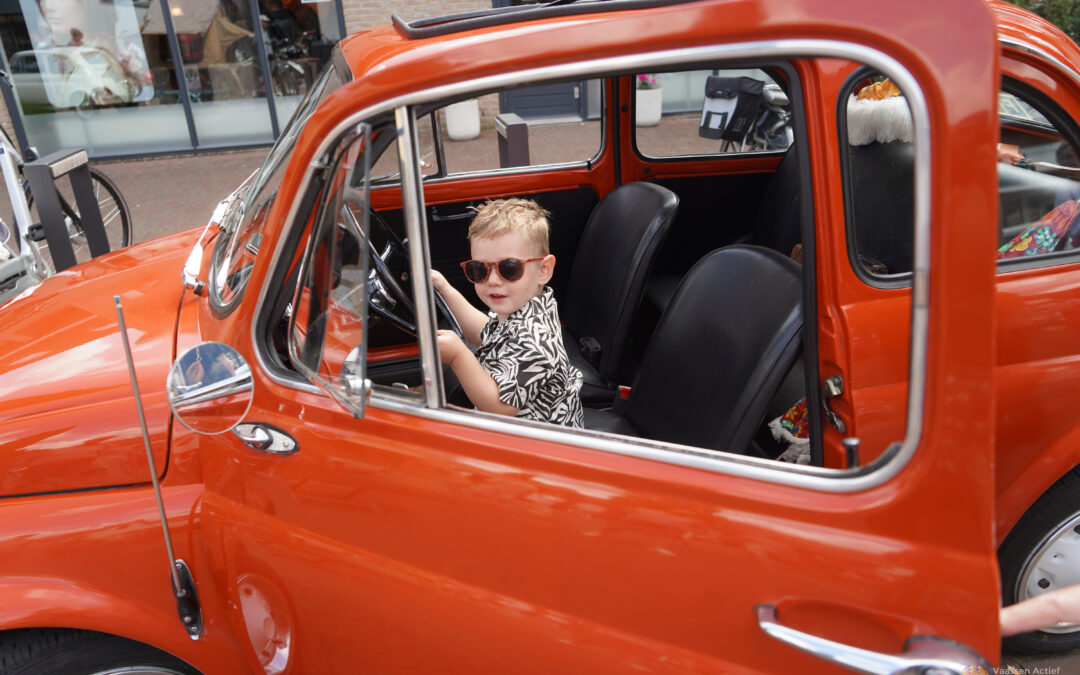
x: 389, y: 288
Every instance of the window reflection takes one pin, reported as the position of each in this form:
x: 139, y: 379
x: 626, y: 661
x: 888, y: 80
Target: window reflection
x: 103, y: 74
x: 79, y: 55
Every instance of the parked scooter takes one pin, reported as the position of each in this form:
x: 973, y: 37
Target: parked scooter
x: 746, y: 114
x: 772, y: 130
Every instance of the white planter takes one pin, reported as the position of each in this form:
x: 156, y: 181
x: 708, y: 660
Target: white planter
x: 649, y: 106
x: 463, y: 120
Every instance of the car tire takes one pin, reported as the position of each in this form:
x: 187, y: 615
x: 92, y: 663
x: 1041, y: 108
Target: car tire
x: 1035, y: 559
x: 49, y: 651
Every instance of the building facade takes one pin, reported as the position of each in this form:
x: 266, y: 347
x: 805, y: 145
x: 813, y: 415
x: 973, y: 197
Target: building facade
x: 133, y: 77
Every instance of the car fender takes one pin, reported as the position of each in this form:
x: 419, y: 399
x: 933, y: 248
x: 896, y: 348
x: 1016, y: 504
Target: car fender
x: 43, y: 602
x: 97, y: 561
x: 1042, y: 471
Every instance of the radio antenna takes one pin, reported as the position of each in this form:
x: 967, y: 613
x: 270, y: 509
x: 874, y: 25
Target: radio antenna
x: 183, y: 585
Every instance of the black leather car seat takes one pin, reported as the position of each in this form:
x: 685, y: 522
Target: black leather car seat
x: 776, y: 225
x: 722, y: 349
x: 882, y: 204
x: 617, y: 250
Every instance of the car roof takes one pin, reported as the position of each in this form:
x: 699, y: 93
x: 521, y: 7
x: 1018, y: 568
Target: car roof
x: 460, y: 40
x: 1035, y: 35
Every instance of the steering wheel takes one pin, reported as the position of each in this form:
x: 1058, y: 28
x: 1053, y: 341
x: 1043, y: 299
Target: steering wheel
x: 385, y: 294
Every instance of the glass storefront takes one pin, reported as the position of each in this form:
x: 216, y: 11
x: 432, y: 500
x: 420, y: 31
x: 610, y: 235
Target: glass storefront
x: 123, y: 77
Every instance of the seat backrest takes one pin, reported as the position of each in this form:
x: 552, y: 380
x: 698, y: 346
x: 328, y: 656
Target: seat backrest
x: 616, y: 253
x: 777, y: 223
x: 882, y: 204
x: 722, y: 349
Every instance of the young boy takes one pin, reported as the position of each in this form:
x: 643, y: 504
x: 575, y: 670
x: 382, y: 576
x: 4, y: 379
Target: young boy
x: 521, y: 367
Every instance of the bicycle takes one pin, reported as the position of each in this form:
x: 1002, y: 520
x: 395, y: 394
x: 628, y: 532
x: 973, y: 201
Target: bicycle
x: 27, y: 239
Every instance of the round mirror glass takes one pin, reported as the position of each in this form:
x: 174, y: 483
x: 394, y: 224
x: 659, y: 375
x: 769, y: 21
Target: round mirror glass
x: 210, y: 388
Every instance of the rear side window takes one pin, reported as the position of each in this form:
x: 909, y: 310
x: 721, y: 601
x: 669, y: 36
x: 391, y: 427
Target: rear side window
x: 1038, y: 178
x: 710, y: 112
x: 543, y: 125
x: 557, y: 123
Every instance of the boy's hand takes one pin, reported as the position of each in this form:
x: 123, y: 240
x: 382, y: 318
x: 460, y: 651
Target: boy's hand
x: 439, y: 281
x: 450, y: 346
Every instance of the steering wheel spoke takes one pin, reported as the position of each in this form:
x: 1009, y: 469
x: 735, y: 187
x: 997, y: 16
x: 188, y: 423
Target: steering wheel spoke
x: 387, y: 297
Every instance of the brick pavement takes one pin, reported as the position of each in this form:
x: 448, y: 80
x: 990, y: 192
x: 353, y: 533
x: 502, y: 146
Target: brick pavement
x: 170, y: 194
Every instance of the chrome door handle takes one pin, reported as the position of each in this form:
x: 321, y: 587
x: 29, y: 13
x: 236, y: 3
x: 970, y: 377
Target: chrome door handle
x: 435, y: 217
x: 267, y: 438
x: 923, y: 654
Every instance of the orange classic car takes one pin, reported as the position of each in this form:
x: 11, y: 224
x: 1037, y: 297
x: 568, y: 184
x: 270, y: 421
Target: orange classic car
x: 825, y: 303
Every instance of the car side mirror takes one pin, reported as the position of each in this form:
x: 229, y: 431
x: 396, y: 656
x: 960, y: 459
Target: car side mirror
x: 210, y: 388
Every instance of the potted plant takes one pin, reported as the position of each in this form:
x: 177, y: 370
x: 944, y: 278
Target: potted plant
x: 463, y: 120
x: 649, y: 100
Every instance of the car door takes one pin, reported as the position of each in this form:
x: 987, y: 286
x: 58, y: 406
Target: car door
x: 398, y: 533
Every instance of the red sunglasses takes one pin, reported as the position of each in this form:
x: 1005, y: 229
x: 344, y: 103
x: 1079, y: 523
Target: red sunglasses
x: 510, y: 269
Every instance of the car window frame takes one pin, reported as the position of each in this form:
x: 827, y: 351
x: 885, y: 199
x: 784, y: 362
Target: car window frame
x: 442, y: 171
x: 819, y: 479
x: 789, y: 82
x: 269, y: 174
x: 1069, y: 129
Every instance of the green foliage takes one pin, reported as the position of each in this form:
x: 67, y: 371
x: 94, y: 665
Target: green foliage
x: 1065, y: 14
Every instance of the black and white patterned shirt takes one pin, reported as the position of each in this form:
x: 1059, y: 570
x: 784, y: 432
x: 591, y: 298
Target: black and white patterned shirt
x: 525, y: 356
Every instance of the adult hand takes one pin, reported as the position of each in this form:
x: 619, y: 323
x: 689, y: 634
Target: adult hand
x: 1062, y: 605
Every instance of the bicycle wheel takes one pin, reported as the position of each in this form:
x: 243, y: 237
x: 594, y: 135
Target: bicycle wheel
x: 114, y: 215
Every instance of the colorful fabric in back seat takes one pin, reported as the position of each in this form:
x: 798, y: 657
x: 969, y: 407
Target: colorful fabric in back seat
x: 1046, y: 233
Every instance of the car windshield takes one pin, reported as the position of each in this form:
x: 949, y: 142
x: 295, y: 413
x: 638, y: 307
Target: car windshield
x: 236, y: 249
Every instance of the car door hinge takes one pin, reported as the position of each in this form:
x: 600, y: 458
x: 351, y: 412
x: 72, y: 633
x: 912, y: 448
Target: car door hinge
x: 832, y: 387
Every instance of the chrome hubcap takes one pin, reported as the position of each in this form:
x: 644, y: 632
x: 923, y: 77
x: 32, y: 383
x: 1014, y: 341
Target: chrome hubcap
x: 1054, y: 564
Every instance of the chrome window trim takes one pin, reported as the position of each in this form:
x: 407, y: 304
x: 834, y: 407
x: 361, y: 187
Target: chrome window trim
x: 412, y: 202
x: 517, y: 170
x: 872, y: 475
x: 1042, y: 54
x: 512, y: 170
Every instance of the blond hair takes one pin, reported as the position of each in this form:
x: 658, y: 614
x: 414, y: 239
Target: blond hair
x: 519, y: 216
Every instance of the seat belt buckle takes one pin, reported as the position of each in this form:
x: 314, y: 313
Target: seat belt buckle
x: 621, y: 400
x: 590, y: 349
